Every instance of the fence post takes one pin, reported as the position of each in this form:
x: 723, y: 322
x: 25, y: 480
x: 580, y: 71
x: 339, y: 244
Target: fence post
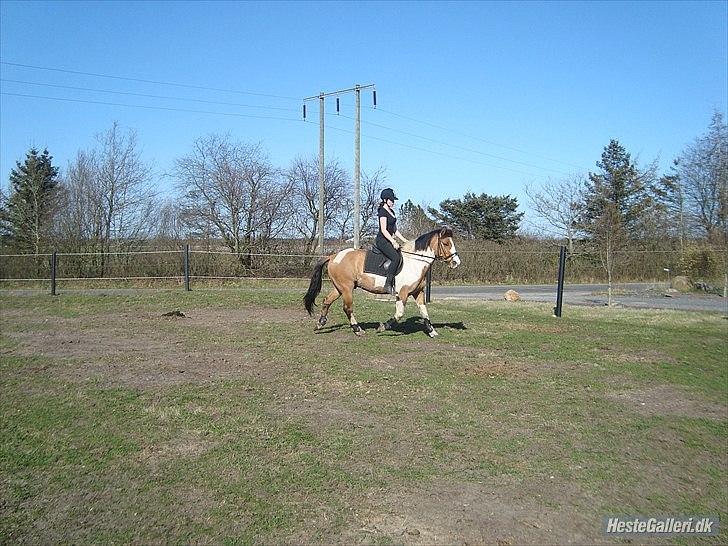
x: 54, y: 265
x: 428, y: 285
x: 186, y: 260
x: 560, y: 287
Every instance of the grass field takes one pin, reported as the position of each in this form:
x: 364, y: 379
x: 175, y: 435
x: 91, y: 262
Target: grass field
x: 236, y: 423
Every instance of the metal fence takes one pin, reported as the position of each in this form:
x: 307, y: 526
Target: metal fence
x: 481, y: 264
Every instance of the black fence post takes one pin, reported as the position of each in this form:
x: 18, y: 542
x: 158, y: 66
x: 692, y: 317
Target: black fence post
x: 54, y: 266
x: 187, y: 266
x: 428, y: 285
x: 560, y: 287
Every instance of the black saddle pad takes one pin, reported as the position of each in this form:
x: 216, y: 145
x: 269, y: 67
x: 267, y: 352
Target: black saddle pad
x: 377, y: 263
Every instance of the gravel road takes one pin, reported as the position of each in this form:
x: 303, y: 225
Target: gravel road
x: 633, y: 295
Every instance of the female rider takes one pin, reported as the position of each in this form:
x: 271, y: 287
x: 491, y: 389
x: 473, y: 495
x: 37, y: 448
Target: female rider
x: 387, y: 236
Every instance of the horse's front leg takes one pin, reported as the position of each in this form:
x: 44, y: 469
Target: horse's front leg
x: 429, y: 328
x: 398, y: 312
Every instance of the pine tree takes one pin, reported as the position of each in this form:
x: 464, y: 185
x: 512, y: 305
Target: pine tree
x: 414, y: 219
x: 31, y: 202
x: 481, y: 216
x: 619, y: 188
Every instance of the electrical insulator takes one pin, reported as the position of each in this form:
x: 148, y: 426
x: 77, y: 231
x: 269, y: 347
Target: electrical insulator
x: 337, y: 106
x: 304, y: 112
x: 374, y: 94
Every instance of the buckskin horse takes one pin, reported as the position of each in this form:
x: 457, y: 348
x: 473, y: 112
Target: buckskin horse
x: 351, y: 268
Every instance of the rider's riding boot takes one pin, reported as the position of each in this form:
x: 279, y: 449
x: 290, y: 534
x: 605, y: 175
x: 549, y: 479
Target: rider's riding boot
x: 389, y: 286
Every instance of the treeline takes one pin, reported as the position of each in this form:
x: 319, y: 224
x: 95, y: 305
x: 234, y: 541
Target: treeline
x: 624, y: 207
x: 229, y: 196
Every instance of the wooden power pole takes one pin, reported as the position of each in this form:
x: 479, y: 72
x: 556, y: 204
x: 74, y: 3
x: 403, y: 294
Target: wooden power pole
x: 357, y: 159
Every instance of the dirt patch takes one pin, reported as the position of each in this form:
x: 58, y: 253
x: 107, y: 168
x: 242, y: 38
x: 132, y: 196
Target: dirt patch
x: 321, y: 414
x: 667, y: 400
x: 139, y: 352
x: 448, y: 512
x: 648, y: 357
x: 188, y: 446
x: 476, y: 361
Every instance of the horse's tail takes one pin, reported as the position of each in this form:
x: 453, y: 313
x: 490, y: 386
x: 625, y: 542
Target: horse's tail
x: 315, y: 287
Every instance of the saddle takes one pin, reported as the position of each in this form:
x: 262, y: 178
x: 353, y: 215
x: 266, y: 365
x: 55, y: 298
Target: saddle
x: 377, y: 263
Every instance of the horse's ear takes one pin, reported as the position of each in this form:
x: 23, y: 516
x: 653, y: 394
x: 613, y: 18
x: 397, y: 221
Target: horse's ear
x: 446, y: 231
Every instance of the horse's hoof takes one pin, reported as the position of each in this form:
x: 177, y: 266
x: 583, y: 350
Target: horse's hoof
x: 381, y: 328
x: 433, y: 333
x: 359, y: 333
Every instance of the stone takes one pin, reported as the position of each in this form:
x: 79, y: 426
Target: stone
x: 681, y: 283
x: 512, y: 295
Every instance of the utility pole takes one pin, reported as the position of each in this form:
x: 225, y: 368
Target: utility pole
x: 322, y: 174
x: 357, y: 166
x: 357, y: 157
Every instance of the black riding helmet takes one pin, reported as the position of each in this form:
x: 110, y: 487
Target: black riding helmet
x: 388, y: 193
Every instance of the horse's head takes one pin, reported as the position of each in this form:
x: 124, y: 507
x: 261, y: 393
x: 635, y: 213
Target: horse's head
x: 444, y: 247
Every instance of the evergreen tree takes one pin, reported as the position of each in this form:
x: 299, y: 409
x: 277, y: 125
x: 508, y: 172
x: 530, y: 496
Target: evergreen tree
x: 619, y: 188
x: 32, y: 201
x: 481, y: 216
x: 5, y: 227
x: 671, y: 205
x: 414, y: 220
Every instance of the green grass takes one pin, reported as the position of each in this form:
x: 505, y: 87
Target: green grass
x: 283, y: 435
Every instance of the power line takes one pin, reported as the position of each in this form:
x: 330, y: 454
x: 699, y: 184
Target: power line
x: 232, y: 114
x: 148, y: 107
x: 189, y: 86
x: 477, y: 138
x: 461, y: 147
x: 148, y: 95
x: 433, y: 152
x: 156, y: 82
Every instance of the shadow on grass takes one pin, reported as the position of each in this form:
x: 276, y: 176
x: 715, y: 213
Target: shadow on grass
x: 412, y: 325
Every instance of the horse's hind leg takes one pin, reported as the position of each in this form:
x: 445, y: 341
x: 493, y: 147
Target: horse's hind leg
x: 348, y: 294
x: 330, y: 298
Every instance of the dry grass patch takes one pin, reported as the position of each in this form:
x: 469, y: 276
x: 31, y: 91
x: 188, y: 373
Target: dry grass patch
x: 669, y: 400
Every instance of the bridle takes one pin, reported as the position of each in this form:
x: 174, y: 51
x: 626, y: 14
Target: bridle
x: 436, y: 257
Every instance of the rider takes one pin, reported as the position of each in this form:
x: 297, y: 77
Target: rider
x: 385, y: 240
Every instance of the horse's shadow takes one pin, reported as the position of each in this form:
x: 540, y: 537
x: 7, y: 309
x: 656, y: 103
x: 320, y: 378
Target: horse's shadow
x: 411, y: 325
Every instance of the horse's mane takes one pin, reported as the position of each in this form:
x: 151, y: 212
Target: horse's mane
x: 423, y: 241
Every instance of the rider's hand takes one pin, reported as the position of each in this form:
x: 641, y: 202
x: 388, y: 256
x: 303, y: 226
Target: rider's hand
x: 396, y: 246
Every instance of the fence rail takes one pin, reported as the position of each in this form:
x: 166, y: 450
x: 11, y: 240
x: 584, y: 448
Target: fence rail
x: 484, y: 264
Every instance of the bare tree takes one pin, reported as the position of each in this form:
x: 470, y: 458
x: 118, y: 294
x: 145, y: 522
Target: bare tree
x: 610, y: 236
x: 230, y: 189
x: 125, y: 189
x: 81, y: 223
x: 303, y: 177
x: 703, y: 174
x: 170, y: 227
x: 371, y: 186
x: 559, y: 203
x: 108, y: 197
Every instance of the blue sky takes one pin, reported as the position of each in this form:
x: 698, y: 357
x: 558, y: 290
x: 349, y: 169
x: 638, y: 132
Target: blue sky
x: 473, y: 96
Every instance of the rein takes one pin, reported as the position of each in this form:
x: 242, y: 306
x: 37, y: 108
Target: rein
x: 433, y: 258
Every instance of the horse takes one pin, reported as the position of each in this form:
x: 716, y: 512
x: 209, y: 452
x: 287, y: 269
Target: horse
x: 347, y: 271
